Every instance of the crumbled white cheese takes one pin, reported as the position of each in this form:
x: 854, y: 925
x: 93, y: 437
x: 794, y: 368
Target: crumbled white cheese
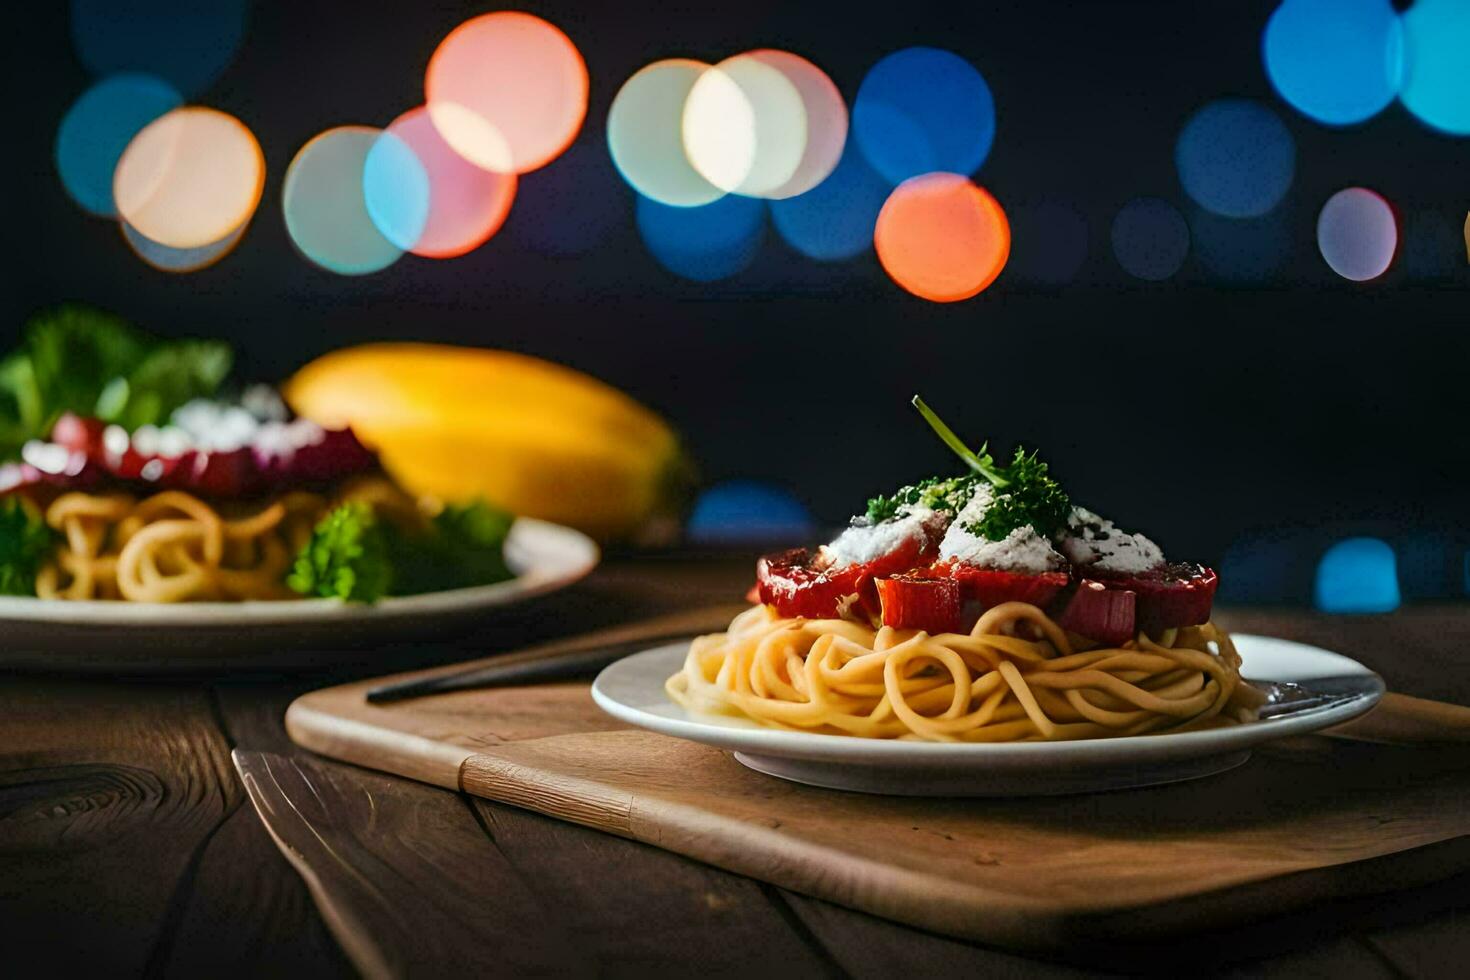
x: 1023, y: 550
x: 863, y: 543
x: 1091, y: 541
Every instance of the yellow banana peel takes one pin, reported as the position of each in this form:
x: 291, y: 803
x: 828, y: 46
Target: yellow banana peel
x: 536, y: 438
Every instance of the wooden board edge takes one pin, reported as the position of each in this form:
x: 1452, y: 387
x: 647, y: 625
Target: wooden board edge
x: 311, y: 725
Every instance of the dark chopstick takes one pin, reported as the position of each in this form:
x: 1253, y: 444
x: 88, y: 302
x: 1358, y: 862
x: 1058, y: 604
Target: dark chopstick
x: 568, y: 665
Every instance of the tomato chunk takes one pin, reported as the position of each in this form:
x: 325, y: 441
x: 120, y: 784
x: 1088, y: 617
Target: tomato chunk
x: 1173, y: 595
x: 990, y: 587
x: 1107, y: 615
x: 916, y: 603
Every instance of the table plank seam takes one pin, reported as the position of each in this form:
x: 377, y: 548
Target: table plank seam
x: 804, y: 932
x: 178, y: 901
x: 1380, y: 955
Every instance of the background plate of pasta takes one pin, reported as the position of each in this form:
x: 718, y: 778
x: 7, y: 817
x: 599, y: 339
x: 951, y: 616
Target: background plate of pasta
x: 153, y: 518
x: 983, y: 634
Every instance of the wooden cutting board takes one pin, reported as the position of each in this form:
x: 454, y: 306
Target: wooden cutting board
x: 1305, y: 820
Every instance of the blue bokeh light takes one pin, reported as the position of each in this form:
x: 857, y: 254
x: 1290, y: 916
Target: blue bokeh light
x: 835, y: 219
x: 1358, y: 575
x: 1428, y: 566
x: 706, y: 243
x: 395, y: 190
x: 1436, y: 85
x: 166, y: 258
x: 748, y: 510
x: 325, y: 204
x: 1236, y: 158
x: 1241, y: 250
x: 1048, y: 243
x: 922, y: 110
x: 1431, y: 247
x: 187, y: 42
x: 1150, y: 238
x: 1338, y: 61
x: 98, y: 128
x: 1275, y: 566
x: 572, y: 206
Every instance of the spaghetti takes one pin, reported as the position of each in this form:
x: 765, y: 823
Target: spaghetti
x: 1016, y: 676
x: 174, y: 547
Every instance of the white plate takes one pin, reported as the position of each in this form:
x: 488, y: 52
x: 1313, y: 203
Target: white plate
x: 632, y: 690
x: 58, y: 635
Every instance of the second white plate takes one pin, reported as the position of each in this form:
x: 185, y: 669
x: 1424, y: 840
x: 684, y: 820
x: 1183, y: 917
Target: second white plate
x: 632, y: 690
x: 272, y: 635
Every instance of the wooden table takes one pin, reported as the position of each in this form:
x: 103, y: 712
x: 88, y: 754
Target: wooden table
x: 127, y: 844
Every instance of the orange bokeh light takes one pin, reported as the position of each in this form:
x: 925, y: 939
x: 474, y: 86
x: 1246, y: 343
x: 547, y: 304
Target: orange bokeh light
x: 941, y: 237
x: 190, y: 178
x: 508, y: 91
x: 466, y: 204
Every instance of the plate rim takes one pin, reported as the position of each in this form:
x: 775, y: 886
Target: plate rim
x: 530, y: 582
x: 863, y: 751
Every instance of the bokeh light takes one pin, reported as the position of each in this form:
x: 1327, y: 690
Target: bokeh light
x: 1429, y: 565
x: 1436, y: 85
x: 1236, y: 158
x: 186, y: 42
x: 572, y: 206
x: 645, y: 134
x: 835, y: 219
x: 748, y: 511
x: 98, y: 128
x: 1048, y: 243
x: 744, y: 127
x: 941, y: 237
x: 395, y: 189
x: 706, y: 243
x: 1150, y: 238
x: 1357, y: 234
x: 1338, y: 61
x: 826, y: 120
x: 507, y: 90
x: 1241, y: 250
x: 189, y: 178
x: 467, y: 204
x: 1431, y: 248
x: 1271, y: 567
x: 1358, y: 575
x: 325, y: 207
x: 922, y: 110
x: 180, y: 260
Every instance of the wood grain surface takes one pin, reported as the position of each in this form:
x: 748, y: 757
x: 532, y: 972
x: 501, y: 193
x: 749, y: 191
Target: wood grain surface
x: 1306, y: 820
x: 195, y: 886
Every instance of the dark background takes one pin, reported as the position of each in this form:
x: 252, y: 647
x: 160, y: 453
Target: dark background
x: 1302, y: 407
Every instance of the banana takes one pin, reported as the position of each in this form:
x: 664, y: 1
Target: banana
x: 536, y: 438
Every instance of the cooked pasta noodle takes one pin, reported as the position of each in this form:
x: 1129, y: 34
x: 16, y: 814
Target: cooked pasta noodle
x: 1016, y: 676
x: 174, y: 547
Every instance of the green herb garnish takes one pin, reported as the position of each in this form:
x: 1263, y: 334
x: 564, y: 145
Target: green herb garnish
x: 465, y: 546
x: 354, y: 556
x: 346, y: 558
x: 1031, y: 496
x: 77, y: 359
x: 935, y: 493
x: 25, y: 542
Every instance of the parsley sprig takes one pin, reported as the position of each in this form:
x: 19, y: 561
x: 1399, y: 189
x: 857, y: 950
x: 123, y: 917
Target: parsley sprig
x: 950, y: 494
x: 1027, y: 493
x: 25, y: 541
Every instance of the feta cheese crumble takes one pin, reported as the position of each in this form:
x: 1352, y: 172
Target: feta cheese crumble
x: 862, y: 543
x: 1023, y: 550
x: 1091, y: 541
